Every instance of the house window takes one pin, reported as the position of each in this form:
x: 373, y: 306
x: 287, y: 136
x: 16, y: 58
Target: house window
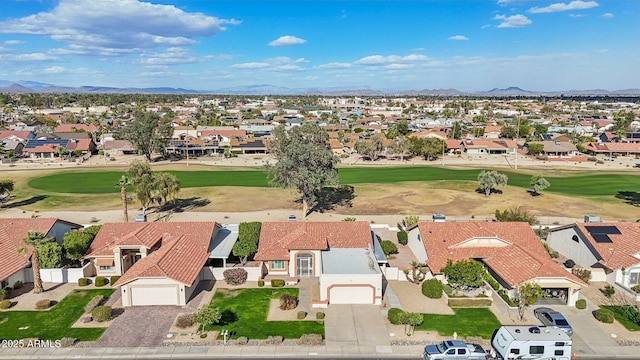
x: 107, y: 268
x: 575, y: 238
x: 559, y: 352
x: 536, y: 350
x: 277, y: 265
x: 515, y: 351
x: 633, y: 278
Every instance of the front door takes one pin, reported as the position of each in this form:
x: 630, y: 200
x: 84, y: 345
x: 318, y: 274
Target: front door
x: 304, y: 265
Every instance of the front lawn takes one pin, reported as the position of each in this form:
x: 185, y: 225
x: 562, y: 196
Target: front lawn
x: 466, y: 322
x: 244, y: 313
x: 622, y: 314
x: 54, y: 324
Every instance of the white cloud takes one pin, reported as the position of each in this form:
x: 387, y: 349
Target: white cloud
x: 55, y: 70
x: 13, y: 42
x: 458, y: 37
x: 26, y: 57
x: 390, y: 59
x: 277, y: 64
x: 574, y: 5
x: 577, y: 15
x: 115, y: 27
x: 170, y: 56
x: 608, y: 15
x: 485, y: 26
x: 333, y: 65
x: 513, y: 21
x: 287, y: 40
x: 251, y: 65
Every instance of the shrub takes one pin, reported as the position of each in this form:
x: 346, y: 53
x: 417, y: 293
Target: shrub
x: 67, y: 342
x: 113, y: 279
x: 260, y: 283
x: 237, y: 276
x: 388, y: 247
x: 411, y: 220
x: 274, y: 340
x: 403, y: 238
x: 184, y: 321
x: 608, y: 291
x: 582, y: 274
x: 277, y: 283
x: 242, y: 340
x: 5, y: 304
x: 636, y: 289
x: 491, y: 281
x: 319, y: 316
x: 93, y: 303
x: 43, y: 304
x: 301, y: 315
x: 83, y: 282
x: 5, y: 293
x: 432, y: 289
x: 581, y: 304
x: 310, y: 339
x: 604, y: 315
x: 395, y: 316
x: 203, y: 336
x: 101, y: 313
x: 18, y: 285
x: 101, y: 281
x: 288, y: 302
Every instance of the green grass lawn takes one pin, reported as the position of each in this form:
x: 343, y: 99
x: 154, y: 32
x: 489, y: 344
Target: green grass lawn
x: 465, y: 322
x: 621, y: 316
x: 54, y: 324
x: 245, y: 314
x: 101, y: 182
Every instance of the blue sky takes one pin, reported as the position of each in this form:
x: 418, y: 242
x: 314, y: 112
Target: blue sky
x: 469, y: 45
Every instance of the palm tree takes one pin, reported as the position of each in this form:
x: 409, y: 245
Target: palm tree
x: 122, y: 184
x: 33, y: 240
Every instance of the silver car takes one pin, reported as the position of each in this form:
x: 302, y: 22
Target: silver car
x: 550, y: 317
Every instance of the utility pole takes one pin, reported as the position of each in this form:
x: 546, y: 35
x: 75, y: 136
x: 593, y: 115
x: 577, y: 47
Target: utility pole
x: 517, y: 136
x: 187, y: 139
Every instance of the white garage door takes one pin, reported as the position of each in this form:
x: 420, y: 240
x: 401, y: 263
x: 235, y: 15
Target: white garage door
x: 154, y: 295
x: 351, y: 295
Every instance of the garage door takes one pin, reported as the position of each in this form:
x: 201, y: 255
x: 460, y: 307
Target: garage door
x: 154, y: 295
x: 351, y: 295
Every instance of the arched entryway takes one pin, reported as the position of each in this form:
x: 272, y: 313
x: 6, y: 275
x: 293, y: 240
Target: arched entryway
x: 304, y: 265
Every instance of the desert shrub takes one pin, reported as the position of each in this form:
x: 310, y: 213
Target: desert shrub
x: 319, y: 316
x: 608, y: 291
x: 604, y: 315
x: 388, y: 247
x: 301, y: 315
x: 237, y: 276
x: 5, y: 304
x: 636, y: 289
x: 113, y: 279
x: 432, y: 288
x: 410, y: 220
x: 83, y: 282
x: 101, y: 281
x: 18, y: 285
x: 184, y: 321
x: 582, y: 274
x: 288, y: 302
x: 242, y: 340
x: 581, y: 304
x: 203, y: 336
x: 491, y: 281
x: 67, y: 342
x: 260, y: 283
x: 95, y: 301
x: 43, y: 304
x: 403, y: 238
x: 101, y: 313
x: 274, y: 340
x: 395, y: 316
x: 310, y: 339
x: 277, y: 283
x: 5, y: 293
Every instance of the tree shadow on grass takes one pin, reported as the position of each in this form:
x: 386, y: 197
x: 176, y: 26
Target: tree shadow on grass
x: 30, y: 201
x: 533, y: 193
x: 330, y: 197
x: 182, y: 205
x: 493, y: 191
x: 629, y: 197
x: 227, y: 317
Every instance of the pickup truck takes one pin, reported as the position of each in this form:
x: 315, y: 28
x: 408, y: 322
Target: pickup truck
x: 454, y: 349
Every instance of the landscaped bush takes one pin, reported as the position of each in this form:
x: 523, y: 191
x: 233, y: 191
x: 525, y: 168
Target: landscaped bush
x: 288, y: 302
x: 491, y: 281
x: 93, y: 303
x: 67, y: 342
x: 506, y: 298
x: 604, y: 315
x: 101, y: 313
x: 388, y: 247
x: 113, y: 279
x: 581, y: 304
x: 608, y: 291
x: 5, y: 293
x: 18, y: 285
x: 395, y: 316
x: 636, y: 289
x: 277, y: 283
x: 237, y: 276
x: 101, y: 281
x: 432, y: 288
x: 184, y: 321
x: 274, y: 340
x: 203, y: 336
x: 319, y: 316
x: 301, y: 315
x: 43, y: 304
x: 403, y: 238
x: 83, y: 282
x: 582, y: 274
x: 260, y: 283
x: 5, y: 304
x: 242, y: 340
x: 310, y: 339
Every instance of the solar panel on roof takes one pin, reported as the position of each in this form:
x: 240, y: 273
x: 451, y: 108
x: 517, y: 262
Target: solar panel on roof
x: 547, y: 137
x: 601, y: 238
x: 603, y: 230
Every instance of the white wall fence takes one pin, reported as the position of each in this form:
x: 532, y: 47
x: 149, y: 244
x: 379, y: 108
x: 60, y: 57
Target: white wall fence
x: 394, y: 273
x: 254, y: 273
x: 65, y: 275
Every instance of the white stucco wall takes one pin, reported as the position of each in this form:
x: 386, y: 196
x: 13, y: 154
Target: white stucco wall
x: 317, y: 261
x: 416, y: 245
x: 180, y: 293
x: 561, y: 241
x: 374, y: 281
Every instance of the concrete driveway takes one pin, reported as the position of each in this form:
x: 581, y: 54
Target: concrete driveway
x: 355, y: 329
x: 140, y: 326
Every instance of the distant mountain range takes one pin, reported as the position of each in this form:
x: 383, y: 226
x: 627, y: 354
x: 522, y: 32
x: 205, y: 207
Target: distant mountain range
x: 38, y: 87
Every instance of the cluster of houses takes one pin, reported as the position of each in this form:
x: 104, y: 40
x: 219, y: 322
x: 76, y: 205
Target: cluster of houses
x: 163, y: 263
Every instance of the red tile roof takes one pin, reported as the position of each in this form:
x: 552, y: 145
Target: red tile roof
x: 622, y: 250
x: 511, y: 249
x: 489, y: 144
x: 21, y: 134
x: 277, y: 238
x: 79, y: 144
x: 75, y: 128
x: 226, y: 133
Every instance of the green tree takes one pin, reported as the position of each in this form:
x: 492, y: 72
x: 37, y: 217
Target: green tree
x: 411, y: 319
x: 516, y: 213
x: 143, y: 181
x: 402, y: 126
x: 148, y: 132
x: 167, y: 186
x: 305, y: 162
x: 539, y: 183
x: 535, y: 148
x: 248, y: 237
x: 463, y: 273
x: 399, y: 147
x: 366, y: 148
x: 508, y: 132
x: 622, y: 122
x: 33, y: 240
x: 6, y: 187
x: 122, y: 183
x: 50, y: 255
x: 490, y: 179
x: 430, y: 148
x: 77, y: 242
x: 528, y: 294
x: 207, y: 316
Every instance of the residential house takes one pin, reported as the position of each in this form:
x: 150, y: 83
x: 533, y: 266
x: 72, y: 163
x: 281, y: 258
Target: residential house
x: 492, y: 132
x: 341, y: 254
x: 557, y: 149
x: 492, y: 147
x: 16, y: 265
x: 611, y: 250
x: 510, y: 251
x: 75, y: 128
x: 613, y: 148
x: 454, y: 146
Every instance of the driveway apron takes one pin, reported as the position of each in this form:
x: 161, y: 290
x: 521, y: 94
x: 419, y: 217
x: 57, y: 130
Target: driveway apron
x: 140, y: 326
x: 357, y: 329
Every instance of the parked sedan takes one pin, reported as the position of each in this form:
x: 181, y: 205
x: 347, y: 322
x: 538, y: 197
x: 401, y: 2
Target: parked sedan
x: 550, y: 317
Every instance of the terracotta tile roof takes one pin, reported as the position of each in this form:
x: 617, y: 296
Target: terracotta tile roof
x: 623, y: 248
x: 75, y: 128
x: 511, y: 249
x: 277, y: 238
x: 184, y: 248
x: 452, y: 144
x: 118, y: 145
x: 492, y: 129
x: 335, y: 144
x: 21, y: 134
x: 41, y: 149
x: 79, y: 144
x: 489, y: 144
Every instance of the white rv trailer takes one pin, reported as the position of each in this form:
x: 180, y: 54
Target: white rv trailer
x: 531, y: 342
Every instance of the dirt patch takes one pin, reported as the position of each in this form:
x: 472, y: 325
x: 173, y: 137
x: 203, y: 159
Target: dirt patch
x: 277, y: 314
